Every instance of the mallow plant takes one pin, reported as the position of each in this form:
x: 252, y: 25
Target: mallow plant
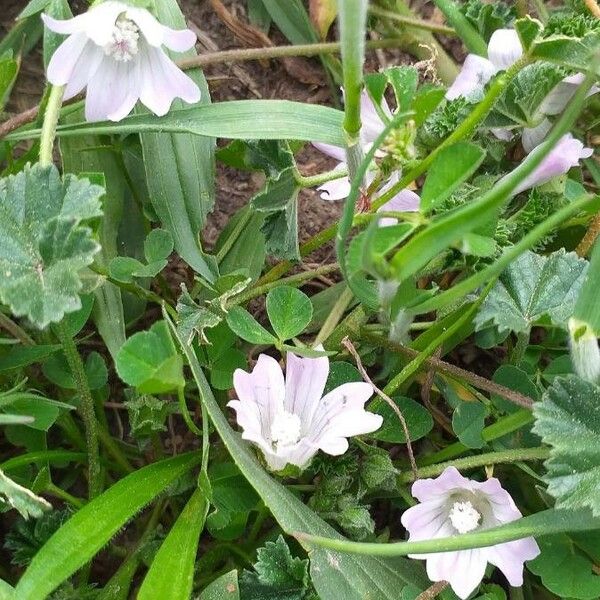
x: 405, y: 405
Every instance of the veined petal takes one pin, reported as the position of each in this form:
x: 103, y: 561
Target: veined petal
x: 162, y: 81
x: 560, y: 95
x: 64, y: 59
x: 105, y: 91
x: 504, y: 48
x: 566, y: 154
x: 305, y: 380
x: 463, y: 570
x: 511, y: 556
x: 264, y: 387
x: 428, y: 489
x: 84, y: 69
x: 475, y: 73
x: 157, y: 34
x: 372, y: 124
x: 424, y: 521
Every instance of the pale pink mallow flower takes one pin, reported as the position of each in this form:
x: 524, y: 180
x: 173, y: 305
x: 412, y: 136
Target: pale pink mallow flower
x: 565, y: 155
x: 115, y: 50
x: 372, y: 126
x: 291, y: 420
x: 453, y: 505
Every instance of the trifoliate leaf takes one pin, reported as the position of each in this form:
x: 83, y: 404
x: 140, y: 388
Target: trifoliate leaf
x: 22, y: 499
x: 44, y: 246
x: 568, y: 419
x: 277, y: 575
x: 533, y: 286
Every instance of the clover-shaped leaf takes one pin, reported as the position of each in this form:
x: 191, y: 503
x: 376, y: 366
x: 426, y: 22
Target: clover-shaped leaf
x: 43, y: 245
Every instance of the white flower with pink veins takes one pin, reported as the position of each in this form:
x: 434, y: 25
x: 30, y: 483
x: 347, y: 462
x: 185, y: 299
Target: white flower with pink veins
x: 290, y: 420
x: 452, y: 505
x: 115, y: 50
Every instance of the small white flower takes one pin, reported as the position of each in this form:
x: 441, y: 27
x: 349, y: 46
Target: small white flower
x: 115, y: 50
x: 454, y: 505
x: 291, y: 420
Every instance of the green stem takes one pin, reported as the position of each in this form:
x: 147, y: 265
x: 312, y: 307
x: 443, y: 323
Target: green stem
x: 352, y: 15
x: 235, y: 234
x: 293, y: 280
x: 334, y: 317
x: 47, y: 456
x: 113, y: 449
x: 314, y: 180
x: 411, y: 21
x: 51, y: 116
x: 481, y: 460
x: 185, y: 413
x: 471, y: 38
x: 499, y: 429
x: 86, y: 408
x: 57, y: 492
x: 15, y: 330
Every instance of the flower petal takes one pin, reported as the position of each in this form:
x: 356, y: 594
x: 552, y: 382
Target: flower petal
x: 424, y: 521
x: 372, y: 124
x: 475, y: 73
x: 101, y: 21
x: 404, y: 201
x: 264, y: 387
x: 64, y: 59
x: 509, y: 558
x: 84, y: 69
x: 566, y: 154
x: 463, y: 570
x: 534, y: 136
x: 157, y: 34
x: 336, y: 189
x: 77, y: 24
x: 428, y: 489
x: 105, y: 91
x: 504, y: 48
x: 560, y: 95
x: 162, y: 81
x: 305, y: 380
x: 333, y: 151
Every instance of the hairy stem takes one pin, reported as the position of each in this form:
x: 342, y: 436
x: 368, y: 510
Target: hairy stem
x: 86, y: 408
x: 15, y: 330
x: 411, y: 21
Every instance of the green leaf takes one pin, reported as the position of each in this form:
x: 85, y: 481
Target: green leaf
x: 58, y: 9
x: 528, y: 30
x: 277, y: 574
x: 565, y: 571
x: 574, y: 53
x: 180, y: 167
x: 418, y: 420
x: 90, y: 529
x: 293, y: 21
x: 452, y: 167
x: 147, y: 415
x: 33, y: 8
x: 279, y: 201
x: 44, y: 246
x: 158, y: 245
x: 532, y: 287
x: 289, y: 310
x: 334, y: 575
x: 247, y: 327
x: 587, y: 307
x: 468, y: 421
x: 149, y: 362
x: 9, y: 67
x: 22, y: 356
x: 567, y: 419
x: 22, y: 499
x: 171, y: 574
x: 236, y: 119
x: 225, y: 587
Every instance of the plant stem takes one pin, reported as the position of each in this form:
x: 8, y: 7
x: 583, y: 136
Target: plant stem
x: 113, y: 449
x: 334, y: 317
x: 456, y: 372
x: 293, y: 280
x: 500, y: 428
x: 411, y: 21
x: 481, y: 460
x: 465, y: 129
x: 86, y: 408
x: 57, y: 492
x: 586, y: 243
x: 15, y: 330
x: 49, y: 125
x: 471, y: 38
x: 314, y: 180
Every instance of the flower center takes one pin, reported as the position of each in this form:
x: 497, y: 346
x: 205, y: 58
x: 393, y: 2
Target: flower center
x: 285, y: 429
x: 124, y: 43
x: 464, y: 517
